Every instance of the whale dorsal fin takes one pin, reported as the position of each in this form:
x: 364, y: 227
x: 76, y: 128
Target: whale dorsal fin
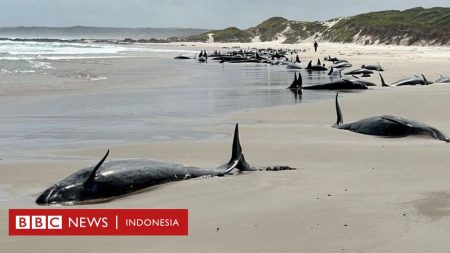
x: 383, y: 83
x: 425, y: 80
x: 94, y: 171
x: 237, y: 158
x: 237, y: 149
x: 379, y: 66
x: 340, y: 119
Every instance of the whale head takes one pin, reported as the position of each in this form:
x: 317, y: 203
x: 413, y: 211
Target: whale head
x: 76, y: 188
x: 61, y: 194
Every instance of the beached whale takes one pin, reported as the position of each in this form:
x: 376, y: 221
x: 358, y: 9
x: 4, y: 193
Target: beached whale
x: 376, y: 67
x: 342, y: 64
x: 443, y: 79
x: 359, y: 80
x: 332, y: 59
x: 317, y: 67
x: 246, y: 61
x: 203, y: 56
x: 182, y: 57
x: 293, y: 66
x: 388, y: 126
x: 110, y: 180
x: 409, y: 81
x: 341, y: 84
x: 361, y: 71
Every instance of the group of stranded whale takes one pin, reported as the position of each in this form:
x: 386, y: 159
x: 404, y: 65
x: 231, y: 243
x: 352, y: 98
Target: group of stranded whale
x: 356, y: 83
x: 109, y: 180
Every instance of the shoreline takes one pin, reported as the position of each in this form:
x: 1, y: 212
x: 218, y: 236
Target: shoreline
x: 392, y: 63
x: 350, y: 192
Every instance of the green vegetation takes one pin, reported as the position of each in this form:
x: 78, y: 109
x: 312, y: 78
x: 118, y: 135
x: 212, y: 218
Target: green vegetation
x: 390, y: 27
x: 412, y: 26
x: 301, y: 30
x: 231, y: 34
x: 269, y: 29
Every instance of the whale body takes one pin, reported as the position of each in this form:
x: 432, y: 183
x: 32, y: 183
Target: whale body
x: 110, y: 180
x: 388, y: 126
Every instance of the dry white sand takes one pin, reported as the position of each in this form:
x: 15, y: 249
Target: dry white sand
x: 350, y: 193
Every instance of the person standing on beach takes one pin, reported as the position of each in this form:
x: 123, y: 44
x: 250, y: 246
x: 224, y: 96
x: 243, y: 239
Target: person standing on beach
x: 315, y: 46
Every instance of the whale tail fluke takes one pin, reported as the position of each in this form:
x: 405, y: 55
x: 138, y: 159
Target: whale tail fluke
x: 340, y: 119
x: 331, y: 71
x: 300, y: 81
x: 294, y: 84
x: 383, y: 83
x: 297, y: 83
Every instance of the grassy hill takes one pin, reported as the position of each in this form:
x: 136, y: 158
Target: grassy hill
x: 416, y: 26
x: 408, y: 27
x: 269, y: 29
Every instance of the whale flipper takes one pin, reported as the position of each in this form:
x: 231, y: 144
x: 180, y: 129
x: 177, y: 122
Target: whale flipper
x: 397, y: 121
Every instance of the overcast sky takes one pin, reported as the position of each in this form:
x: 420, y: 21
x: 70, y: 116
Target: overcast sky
x: 186, y: 13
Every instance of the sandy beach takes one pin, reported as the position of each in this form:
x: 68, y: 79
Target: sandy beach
x: 350, y: 192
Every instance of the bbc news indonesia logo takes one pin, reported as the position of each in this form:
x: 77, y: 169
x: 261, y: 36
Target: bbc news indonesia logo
x: 98, y: 222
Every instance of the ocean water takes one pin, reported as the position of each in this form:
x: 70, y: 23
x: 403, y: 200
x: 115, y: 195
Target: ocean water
x: 33, y: 56
x: 146, y: 95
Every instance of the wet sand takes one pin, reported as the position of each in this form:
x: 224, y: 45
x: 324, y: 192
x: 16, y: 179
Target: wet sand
x: 350, y: 192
